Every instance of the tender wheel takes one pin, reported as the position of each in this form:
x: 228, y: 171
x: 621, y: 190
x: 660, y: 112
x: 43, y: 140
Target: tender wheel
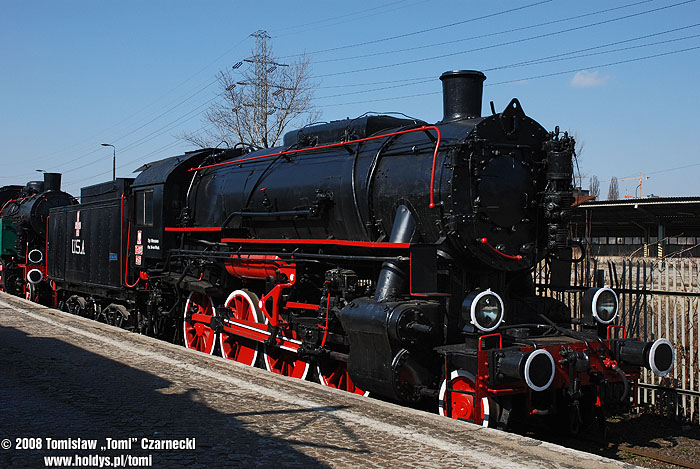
x: 461, y: 405
x: 114, y: 315
x: 198, y: 336
x: 243, y: 306
x: 76, y: 305
x: 334, y: 374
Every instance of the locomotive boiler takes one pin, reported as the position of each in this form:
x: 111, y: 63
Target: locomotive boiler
x: 379, y: 255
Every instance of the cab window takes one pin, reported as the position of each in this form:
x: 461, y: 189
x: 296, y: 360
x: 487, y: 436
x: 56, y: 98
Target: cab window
x: 144, y: 208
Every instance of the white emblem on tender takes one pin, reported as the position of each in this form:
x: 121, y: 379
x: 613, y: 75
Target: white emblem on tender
x: 78, y: 225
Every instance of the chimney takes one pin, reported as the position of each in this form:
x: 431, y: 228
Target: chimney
x: 461, y: 94
x: 52, y: 181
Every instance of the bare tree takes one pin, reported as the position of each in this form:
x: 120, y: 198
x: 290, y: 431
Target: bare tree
x: 594, y: 186
x: 260, y: 102
x: 613, y: 190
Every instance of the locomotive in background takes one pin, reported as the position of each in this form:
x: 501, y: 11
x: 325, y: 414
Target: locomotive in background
x: 379, y: 254
x: 24, y: 212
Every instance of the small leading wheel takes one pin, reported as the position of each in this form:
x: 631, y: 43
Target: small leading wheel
x: 243, y: 306
x: 199, y: 336
x: 30, y: 292
x: 461, y: 403
x: 334, y: 374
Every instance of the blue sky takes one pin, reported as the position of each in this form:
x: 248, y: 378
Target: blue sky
x: 137, y: 73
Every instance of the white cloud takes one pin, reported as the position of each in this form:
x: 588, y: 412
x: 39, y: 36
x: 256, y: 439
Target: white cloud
x: 586, y: 79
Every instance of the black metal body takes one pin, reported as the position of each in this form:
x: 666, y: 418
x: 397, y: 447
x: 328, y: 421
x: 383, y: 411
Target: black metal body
x: 32, y: 210
x: 489, y: 173
x: 84, y: 244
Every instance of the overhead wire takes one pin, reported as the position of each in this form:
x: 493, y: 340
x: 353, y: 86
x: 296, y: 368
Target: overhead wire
x: 501, y: 44
x: 206, y: 67
x: 172, y: 108
x: 345, y: 16
x: 482, y: 36
x: 548, y: 59
x: 534, y: 77
x: 146, y: 138
x: 423, y: 31
x: 140, y: 110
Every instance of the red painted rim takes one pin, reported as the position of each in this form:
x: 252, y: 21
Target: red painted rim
x: 334, y: 374
x: 284, y: 362
x: 461, y: 405
x: 199, y: 336
x: 241, y: 305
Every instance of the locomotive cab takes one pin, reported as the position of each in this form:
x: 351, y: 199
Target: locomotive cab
x: 159, y: 206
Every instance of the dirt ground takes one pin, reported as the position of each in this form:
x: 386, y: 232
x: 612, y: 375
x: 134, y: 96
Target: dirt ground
x: 642, y: 433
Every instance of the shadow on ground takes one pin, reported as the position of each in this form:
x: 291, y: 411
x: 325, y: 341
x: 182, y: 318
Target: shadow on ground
x: 49, y: 388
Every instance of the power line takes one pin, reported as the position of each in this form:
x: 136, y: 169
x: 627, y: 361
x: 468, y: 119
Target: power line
x: 346, y: 16
x: 558, y: 57
x: 542, y: 60
x: 126, y: 119
x: 535, y: 77
x: 423, y: 31
x: 92, y: 152
x: 517, y: 41
x: 482, y: 36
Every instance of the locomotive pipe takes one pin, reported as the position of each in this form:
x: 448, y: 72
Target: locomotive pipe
x: 462, y: 91
x: 658, y: 356
x: 392, y: 277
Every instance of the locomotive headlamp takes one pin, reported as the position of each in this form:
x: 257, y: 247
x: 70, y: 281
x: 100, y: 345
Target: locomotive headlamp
x: 599, y: 304
x: 658, y: 356
x: 35, y: 256
x: 35, y: 276
x: 484, y: 310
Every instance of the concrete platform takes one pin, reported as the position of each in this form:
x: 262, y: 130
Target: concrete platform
x: 63, y: 377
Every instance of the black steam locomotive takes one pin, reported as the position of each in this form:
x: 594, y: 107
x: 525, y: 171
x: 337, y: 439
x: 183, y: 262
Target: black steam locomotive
x: 383, y: 255
x: 24, y: 212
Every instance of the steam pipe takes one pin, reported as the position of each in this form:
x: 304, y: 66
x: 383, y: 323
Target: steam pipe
x: 392, y: 277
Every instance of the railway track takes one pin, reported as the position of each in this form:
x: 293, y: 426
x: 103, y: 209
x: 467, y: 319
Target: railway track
x: 618, y: 450
x: 655, y: 456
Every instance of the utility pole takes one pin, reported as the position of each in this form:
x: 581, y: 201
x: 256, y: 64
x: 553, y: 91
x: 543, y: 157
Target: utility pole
x: 263, y: 65
x: 260, y: 97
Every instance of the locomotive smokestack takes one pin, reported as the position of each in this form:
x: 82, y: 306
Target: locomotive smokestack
x: 52, y: 181
x: 461, y: 94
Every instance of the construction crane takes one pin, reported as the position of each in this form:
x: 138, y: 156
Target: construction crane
x: 639, y: 178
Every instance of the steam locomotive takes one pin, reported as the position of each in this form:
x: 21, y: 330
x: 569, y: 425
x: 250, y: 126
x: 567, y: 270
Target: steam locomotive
x: 24, y: 211
x: 381, y: 255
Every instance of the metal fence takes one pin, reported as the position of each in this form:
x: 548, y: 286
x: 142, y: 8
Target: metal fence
x: 658, y: 298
